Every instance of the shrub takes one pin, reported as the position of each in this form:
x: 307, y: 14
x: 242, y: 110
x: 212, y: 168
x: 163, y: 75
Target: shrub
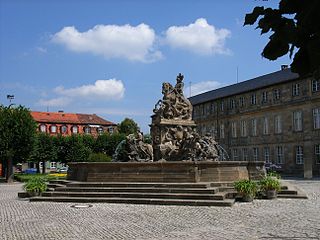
x: 269, y: 183
x: 35, y: 185
x: 99, y: 157
x: 246, y: 187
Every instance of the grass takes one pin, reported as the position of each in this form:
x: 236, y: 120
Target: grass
x: 22, y: 177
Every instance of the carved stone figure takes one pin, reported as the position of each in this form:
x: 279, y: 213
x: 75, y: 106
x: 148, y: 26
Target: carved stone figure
x: 137, y: 149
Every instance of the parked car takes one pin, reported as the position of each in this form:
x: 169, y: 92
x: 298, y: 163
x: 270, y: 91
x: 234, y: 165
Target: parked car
x: 30, y: 171
x: 63, y: 170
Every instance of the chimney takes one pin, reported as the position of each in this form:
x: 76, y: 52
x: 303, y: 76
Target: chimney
x: 283, y: 67
x: 60, y: 111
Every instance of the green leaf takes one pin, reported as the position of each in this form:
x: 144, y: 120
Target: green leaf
x: 275, y: 48
x: 251, y: 18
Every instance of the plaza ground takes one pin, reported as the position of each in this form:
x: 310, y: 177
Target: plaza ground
x: 262, y: 219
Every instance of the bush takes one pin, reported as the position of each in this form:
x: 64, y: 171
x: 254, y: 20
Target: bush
x: 246, y: 187
x: 269, y: 183
x: 22, y: 177
x: 35, y: 185
x: 99, y: 157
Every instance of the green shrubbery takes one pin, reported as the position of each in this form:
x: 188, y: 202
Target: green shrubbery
x: 35, y: 185
x: 99, y: 157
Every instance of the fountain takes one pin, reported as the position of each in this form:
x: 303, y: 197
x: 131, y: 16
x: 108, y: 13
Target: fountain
x: 177, y: 154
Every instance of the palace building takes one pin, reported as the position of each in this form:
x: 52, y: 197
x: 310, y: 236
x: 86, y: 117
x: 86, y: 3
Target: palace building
x: 65, y: 124
x: 274, y: 118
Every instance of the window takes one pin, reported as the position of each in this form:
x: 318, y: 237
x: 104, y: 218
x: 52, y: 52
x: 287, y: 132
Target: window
x: 316, y: 118
x: 295, y: 89
x: 253, y: 99
x: 265, y: 126
x: 43, y: 128
x: 53, y: 164
x: 267, y: 155
x: 235, y: 154
x: 241, y: 101
x: 297, y: 121
x: 255, y: 154
x: 299, y: 155
x: 232, y: 103
x: 277, y: 124
x: 222, y: 106
x: 87, y: 130
x: 279, y: 157
x: 64, y: 129
x: 213, y: 109
x: 317, y: 153
x: 53, y: 128
x: 264, y: 97
x: 254, y: 127
x: 234, y: 129
x: 221, y: 130
x: 244, y: 154
x: 276, y: 94
x: 315, y: 85
x: 74, y: 129
x: 110, y: 129
x: 243, y: 128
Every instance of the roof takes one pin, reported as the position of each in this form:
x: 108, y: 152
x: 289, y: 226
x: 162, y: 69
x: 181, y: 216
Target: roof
x: 246, y: 86
x: 73, y: 118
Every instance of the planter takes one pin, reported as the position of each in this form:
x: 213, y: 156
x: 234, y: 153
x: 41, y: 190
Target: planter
x: 33, y: 193
x: 247, y: 198
x: 271, y: 194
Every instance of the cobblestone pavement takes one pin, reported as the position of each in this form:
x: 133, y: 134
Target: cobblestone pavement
x: 262, y: 219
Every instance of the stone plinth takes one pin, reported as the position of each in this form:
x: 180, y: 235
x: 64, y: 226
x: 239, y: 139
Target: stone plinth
x: 188, y: 172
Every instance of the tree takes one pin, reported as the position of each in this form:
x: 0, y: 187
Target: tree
x: 77, y: 151
x: 107, y: 144
x: 44, y: 150
x: 296, y: 30
x: 128, y: 126
x: 17, y: 135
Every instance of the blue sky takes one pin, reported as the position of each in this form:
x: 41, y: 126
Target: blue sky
x: 111, y: 57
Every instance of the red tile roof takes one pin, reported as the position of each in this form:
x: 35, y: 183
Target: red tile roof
x: 74, y: 118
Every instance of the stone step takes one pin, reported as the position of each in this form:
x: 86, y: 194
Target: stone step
x: 184, y: 202
x: 288, y: 192
x: 299, y: 196
x: 138, y: 184
x: 62, y: 182
x: 138, y: 189
x: 54, y: 185
x: 218, y: 196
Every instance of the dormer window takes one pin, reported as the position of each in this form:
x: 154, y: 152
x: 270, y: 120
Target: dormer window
x: 87, y: 130
x: 100, y: 130
x: 64, y: 129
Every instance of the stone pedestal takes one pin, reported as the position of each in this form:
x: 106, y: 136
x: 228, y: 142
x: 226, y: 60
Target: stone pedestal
x: 161, y: 128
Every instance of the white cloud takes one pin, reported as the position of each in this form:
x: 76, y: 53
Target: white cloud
x: 201, y: 87
x: 41, y: 49
x: 55, y: 102
x: 199, y: 37
x: 112, y: 41
x: 107, y: 89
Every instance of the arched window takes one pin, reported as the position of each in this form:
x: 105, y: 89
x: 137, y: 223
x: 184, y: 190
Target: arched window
x: 87, y: 129
x: 100, y: 130
x: 63, y: 129
x: 43, y: 128
x: 53, y: 128
x: 74, y: 129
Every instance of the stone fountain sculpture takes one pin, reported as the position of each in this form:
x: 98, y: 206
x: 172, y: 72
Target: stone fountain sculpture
x: 173, y: 132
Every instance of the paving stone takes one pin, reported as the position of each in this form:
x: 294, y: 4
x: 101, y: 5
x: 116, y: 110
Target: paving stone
x: 262, y: 219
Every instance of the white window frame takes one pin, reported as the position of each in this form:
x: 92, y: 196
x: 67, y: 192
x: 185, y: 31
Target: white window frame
x: 53, y: 129
x: 267, y: 155
x: 87, y: 130
x: 235, y: 156
x: 315, y: 85
x: 241, y: 101
x: 221, y: 130
x: 254, y: 127
x: 265, y: 122
x: 279, y: 155
x: 64, y: 127
x: 253, y: 99
x: 297, y: 121
x: 53, y: 165
x: 277, y: 124
x: 73, y: 129
x: 245, y: 154
x: 317, y: 153
x: 276, y: 94
x: 265, y: 97
x: 234, y: 129
x: 232, y: 103
x: 255, y: 151
x: 243, y: 128
x: 222, y: 106
x: 316, y: 118
x: 299, y: 155
x: 296, y: 89
x: 43, y: 128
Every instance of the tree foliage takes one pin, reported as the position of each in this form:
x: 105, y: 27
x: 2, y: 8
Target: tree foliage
x: 107, y: 144
x: 17, y: 134
x: 295, y: 28
x: 76, y: 150
x: 128, y: 126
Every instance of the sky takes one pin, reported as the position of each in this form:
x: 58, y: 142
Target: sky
x: 111, y: 57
